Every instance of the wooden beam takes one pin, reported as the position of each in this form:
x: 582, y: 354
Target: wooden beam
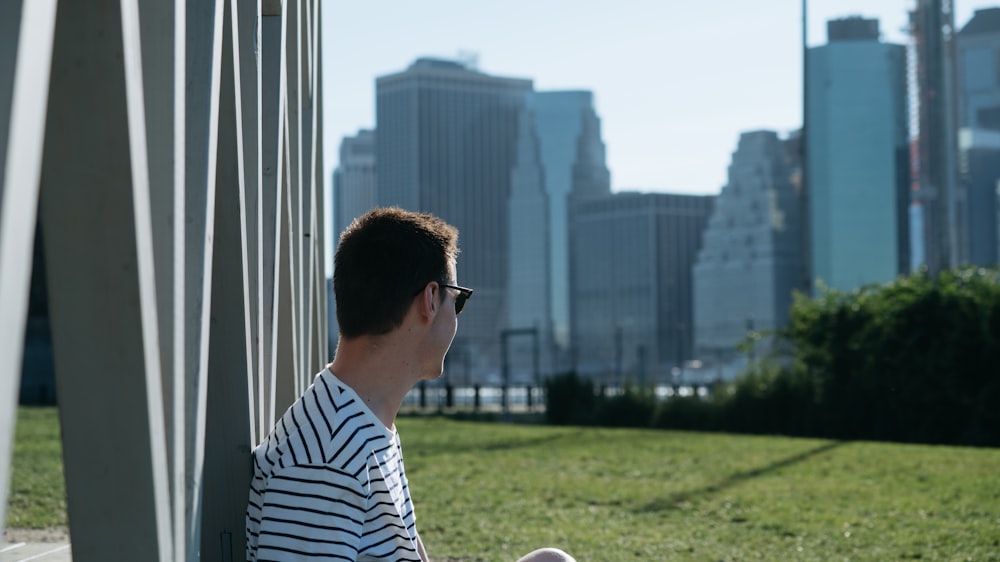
x: 99, y: 251
x: 26, y: 37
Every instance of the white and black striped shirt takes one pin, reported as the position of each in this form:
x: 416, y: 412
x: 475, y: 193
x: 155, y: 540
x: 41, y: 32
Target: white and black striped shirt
x: 329, y: 484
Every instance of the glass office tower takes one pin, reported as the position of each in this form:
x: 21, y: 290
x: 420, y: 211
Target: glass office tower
x: 561, y: 151
x: 447, y: 136
x: 857, y: 158
x: 353, y: 181
x: 529, y: 272
x: 978, y: 54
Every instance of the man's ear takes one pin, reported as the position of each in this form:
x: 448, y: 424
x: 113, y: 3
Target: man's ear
x: 430, y: 300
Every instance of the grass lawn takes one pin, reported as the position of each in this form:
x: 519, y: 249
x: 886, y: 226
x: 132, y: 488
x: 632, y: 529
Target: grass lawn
x: 490, y: 492
x: 37, y: 488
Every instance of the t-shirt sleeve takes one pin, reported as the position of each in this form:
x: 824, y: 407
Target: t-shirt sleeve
x: 311, y: 513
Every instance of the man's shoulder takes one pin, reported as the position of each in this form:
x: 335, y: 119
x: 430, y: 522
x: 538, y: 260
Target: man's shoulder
x: 327, y: 427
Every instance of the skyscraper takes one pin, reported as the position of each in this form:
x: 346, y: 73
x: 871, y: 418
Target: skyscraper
x: 529, y: 270
x: 978, y: 57
x: 560, y: 149
x: 979, y: 171
x: 857, y: 157
x: 631, y: 258
x: 750, y: 260
x: 353, y: 180
x: 353, y: 196
x: 447, y: 137
x: 937, y: 195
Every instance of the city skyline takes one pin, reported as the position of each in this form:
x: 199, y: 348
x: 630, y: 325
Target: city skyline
x: 675, y: 135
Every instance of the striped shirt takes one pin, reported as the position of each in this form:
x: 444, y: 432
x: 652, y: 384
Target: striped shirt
x: 329, y: 484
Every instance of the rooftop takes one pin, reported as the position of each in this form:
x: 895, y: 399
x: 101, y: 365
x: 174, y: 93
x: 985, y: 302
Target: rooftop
x: 983, y: 22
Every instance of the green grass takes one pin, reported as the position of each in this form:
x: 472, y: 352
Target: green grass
x: 37, y: 488
x: 490, y: 492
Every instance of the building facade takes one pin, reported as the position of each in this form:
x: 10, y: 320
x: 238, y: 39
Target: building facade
x: 353, y: 181
x: 560, y: 155
x: 751, y: 258
x: 631, y: 286
x: 353, y: 196
x: 979, y: 172
x: 446, y: 142
x: 529, y: 269
x: 937, y: 195
x: 857, y: 159
x: 978, y: 57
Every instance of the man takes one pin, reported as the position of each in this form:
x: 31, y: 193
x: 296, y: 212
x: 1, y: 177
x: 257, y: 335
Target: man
x: 329, y: 482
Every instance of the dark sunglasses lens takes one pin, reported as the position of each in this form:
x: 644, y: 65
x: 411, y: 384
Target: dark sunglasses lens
x: 460, y: 301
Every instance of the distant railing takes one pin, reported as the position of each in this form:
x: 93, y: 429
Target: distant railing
x: 437, y: 396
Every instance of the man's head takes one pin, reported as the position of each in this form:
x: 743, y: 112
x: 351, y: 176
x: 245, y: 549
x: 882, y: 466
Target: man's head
x: 383, y: 260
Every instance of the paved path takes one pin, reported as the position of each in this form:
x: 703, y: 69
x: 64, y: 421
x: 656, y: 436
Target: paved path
x: 35, y: 551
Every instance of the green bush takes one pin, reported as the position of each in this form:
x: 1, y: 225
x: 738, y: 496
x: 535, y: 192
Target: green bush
x: 570, y: 400
x: 771, y: 400
x: 688, y: 412
x: 915, y: 360
x: 634, y: 407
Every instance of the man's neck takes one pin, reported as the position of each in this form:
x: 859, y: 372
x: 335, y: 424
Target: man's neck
x: 377, y: 372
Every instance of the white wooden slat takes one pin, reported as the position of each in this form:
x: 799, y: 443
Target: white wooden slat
x: 230, y: 426
x: 162, y: 36
x: 293, y: 132
x: 203, y: 68
x: 26, y: 77
x: 272, y: 125
x: 99, y: 257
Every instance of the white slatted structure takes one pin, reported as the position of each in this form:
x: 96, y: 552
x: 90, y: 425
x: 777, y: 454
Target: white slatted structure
x: 171, y: 151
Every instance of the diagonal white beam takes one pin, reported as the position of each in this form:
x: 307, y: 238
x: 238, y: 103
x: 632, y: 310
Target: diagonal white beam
x: 246, y: 49
x: 163, y: 58
x: 293, y: 156
x: 203, y: 67
x: 230, y: 425
x: 99, y: 256
x: 272, y: 146
x: 26, y: 54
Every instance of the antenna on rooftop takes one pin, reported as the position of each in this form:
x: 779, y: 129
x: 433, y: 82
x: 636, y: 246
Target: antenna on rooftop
x: 468, y: 59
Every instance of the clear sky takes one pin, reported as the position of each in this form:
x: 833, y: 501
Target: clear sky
x: 675, y: 83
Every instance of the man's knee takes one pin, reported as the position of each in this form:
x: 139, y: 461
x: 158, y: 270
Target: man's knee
x: 547, y: 555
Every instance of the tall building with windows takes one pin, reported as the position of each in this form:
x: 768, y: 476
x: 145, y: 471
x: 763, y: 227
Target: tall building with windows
x: 353, y: 180
x: 560, y: 155
x: 979, y: 171
x: 857, y: 157
x: 353, y: 196
x: 447, y: 137
x: 751, y: 260
x: 631, y: 285
x: 978, y: 58
x: 529, y: 270
x: 938, y: 197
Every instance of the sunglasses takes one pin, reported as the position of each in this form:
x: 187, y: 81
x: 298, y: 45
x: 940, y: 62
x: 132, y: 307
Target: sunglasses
x: 463, y: 296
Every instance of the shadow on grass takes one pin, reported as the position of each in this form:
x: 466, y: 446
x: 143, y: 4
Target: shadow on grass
x: 425, y: 450
x: 670, y: 502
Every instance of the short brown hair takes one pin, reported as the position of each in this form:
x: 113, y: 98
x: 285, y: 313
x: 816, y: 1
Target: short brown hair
x: 385, y: 257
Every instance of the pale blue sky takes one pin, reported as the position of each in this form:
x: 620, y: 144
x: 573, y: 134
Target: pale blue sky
x: 675, y: 82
